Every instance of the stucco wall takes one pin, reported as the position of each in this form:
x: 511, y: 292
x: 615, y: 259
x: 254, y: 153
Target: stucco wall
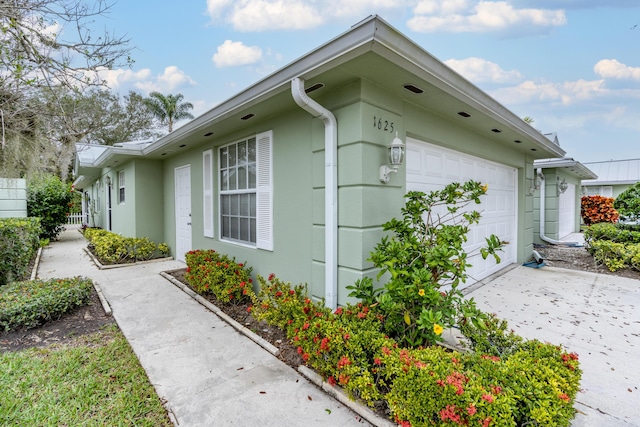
x: 552, y: 213
x: 364, y: 203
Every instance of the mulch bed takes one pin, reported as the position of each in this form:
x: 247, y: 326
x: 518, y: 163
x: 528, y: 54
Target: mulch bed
x: 64, y: 330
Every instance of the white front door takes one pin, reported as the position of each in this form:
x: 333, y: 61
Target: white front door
x: 182, y: 177
x: 567, y: 207
x: 431, y: 167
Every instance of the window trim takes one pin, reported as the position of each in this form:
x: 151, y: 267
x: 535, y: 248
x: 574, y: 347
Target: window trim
x: 263, y: 193
x: 208, y: 211
x: 121, y: 187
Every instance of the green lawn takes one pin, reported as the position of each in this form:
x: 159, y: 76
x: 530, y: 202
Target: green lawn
x: 98, y: 381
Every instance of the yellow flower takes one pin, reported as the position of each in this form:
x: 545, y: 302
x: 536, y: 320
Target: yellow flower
x: 437, y: 329
x: 484, y: 188
x: 421, y: 292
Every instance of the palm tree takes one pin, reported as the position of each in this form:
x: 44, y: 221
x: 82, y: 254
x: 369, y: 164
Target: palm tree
x: 169, y: 109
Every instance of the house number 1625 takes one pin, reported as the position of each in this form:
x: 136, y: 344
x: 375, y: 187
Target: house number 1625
x: 383, y: 125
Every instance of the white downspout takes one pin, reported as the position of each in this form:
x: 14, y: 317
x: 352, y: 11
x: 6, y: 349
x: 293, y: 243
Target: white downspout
x: 542, y: 215
x: 330, y: 188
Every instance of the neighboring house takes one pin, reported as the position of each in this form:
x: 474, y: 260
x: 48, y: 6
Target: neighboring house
x: 13, y: 198
x: 614, y: 176
x: 556, y: 204
x: 285, y: 175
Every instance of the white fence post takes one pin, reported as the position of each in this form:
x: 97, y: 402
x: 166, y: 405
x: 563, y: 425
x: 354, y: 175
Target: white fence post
x: 74, y: 220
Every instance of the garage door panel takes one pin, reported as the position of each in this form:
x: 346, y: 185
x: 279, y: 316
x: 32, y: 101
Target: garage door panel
x: 567, y: 210
x: 430, y: 168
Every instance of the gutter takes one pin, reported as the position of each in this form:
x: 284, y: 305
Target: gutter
x: 542, y: 215
x: 330, y: 187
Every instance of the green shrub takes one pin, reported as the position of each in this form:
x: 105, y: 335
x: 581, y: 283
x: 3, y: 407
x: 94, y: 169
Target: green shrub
x: 628, y: 202
x: 32, y: 303
x: 425, y: 262
x: 112, y: 248
x: 492, y: 337
x: 529, y: 384
x: 49, y: 199
x: 616, y: 256
x: 210, y: 271
x: 18, y: 244
x: 613, y: 232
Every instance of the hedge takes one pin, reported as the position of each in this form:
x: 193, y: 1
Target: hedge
x: 19, y: 242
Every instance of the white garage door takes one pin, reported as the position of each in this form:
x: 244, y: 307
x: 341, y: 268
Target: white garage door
x: 430, y: 167
x: 567, y: 208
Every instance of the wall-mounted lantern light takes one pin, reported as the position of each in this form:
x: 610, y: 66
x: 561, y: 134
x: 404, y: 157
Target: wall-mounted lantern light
x: 536, y: 182
x: 108, y: 180
x: 396, y: 157
x: 562, y: 186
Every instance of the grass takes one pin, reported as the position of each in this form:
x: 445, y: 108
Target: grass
x: 97, y: 381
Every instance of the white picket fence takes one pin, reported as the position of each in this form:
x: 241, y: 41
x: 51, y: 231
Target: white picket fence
x: 74, y: 221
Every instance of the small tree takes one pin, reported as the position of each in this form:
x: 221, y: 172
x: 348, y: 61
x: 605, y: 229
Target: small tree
x: 426, y: 262
x: 628, y: 202
x: 169, y: 108
x: 50, y: 199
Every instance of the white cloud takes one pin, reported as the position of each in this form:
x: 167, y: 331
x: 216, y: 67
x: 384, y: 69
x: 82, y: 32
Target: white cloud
x: 262, y: 15
x: 480, y: 70
x: 122, y: 80
x: 174, y: 78
x: 565, y: 93
x: 613, y: 69
x: 481, y: 16
x: 231, y: 54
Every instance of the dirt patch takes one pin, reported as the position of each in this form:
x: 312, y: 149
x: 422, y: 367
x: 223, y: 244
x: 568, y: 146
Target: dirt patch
x: 578, y: 258
x: 81, y: 321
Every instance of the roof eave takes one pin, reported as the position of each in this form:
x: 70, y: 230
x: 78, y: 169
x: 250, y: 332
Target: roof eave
x: 581, y: 171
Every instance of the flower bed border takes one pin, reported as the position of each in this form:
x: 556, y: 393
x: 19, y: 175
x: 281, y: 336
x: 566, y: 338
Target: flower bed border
x: 102, y: 266
x: 334, y: 391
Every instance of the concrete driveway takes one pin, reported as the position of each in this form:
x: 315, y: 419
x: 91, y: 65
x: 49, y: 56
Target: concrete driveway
x: 594, y: 315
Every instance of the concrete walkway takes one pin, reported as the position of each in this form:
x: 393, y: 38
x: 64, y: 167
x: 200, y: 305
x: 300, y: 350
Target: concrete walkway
x: 208, y: 374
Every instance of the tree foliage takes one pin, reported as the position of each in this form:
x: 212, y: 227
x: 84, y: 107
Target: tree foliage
x: 49, y: 199
x: 628, y: 202
x: 47, y: 49
x: 169, y: 108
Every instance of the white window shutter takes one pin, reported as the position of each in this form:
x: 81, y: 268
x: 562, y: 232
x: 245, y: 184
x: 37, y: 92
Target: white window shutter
x: 207, y: 192
x: 264, y: 191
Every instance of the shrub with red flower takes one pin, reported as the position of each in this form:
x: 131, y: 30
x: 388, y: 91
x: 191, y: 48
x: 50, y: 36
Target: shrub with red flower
x: 210, y: 271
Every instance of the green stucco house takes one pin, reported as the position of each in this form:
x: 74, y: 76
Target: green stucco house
x: 286, y: 175
x: 557, y: 200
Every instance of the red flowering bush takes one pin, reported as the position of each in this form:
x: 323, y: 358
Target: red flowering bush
x: 596, y: 209
x: 530, y: 383
x: 210, y: 271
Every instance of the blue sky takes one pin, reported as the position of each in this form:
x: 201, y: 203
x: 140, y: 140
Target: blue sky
x: 571, y: 65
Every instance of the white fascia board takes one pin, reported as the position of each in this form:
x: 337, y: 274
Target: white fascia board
x: 575, y: 167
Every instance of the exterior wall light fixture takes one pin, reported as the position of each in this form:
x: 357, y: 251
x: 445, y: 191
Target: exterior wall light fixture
x: 562, y: 186
x: 396, y: 157
x: 536, y: 182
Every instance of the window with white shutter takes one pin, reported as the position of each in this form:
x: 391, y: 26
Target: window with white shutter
x: 245, y: 191
x: 264, y: 191
x: 207, y: 192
